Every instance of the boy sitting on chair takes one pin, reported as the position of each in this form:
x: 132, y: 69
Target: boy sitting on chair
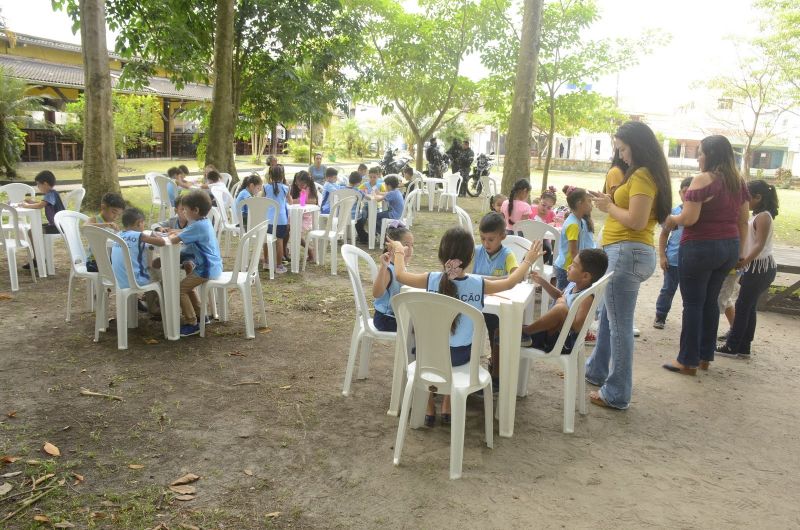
x: 587, y: 267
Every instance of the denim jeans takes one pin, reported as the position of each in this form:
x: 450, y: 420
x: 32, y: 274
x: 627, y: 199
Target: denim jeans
x: 611, y: 362
x: 703, y: 266
x: 752, y: 284
x: 664, y: 302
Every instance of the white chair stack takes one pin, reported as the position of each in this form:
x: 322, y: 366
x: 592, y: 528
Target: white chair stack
x: 430, y: 316
x: 244, y: 277
x: 127, y: 314
x: 69, y: 225
x: 10, y: 243
x: 336, y: 229
x: 364, y: 331
x: 407, y: 217
x: 573, y: 364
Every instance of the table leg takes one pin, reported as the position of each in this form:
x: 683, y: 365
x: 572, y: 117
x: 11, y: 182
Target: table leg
x: 510, y: 330
x: 372, y: 220
x: 171, y: 281
x: 38, y: 244
x: 295, y: 226
x: 431, y: 191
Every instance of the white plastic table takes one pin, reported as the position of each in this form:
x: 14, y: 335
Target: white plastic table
x: 171, y: 287
x: 296, y: 212
x: 34, y: 219
x: 513, y: 307
x: 430, y: 183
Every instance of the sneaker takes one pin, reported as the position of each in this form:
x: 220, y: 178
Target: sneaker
x: 591, y: 338
x: 526, y: 341
x: 636, y: 332
x: 187, y: 330
x: 659, y: 323
x: 725, y: 351
x: 724, y: 336
x: 209, y: 320
x: 281, y: 269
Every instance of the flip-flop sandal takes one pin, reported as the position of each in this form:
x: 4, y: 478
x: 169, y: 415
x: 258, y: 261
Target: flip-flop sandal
x: 599, y: 401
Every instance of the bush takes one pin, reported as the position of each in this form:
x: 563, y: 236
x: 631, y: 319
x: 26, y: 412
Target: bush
x: 783, y: 178
x: 297, y: 149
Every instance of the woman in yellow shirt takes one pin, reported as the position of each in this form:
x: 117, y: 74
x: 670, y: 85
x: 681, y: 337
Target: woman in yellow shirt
x: 643, y: 198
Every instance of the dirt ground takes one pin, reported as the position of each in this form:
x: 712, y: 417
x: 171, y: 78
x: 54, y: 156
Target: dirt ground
x: 264, y: 424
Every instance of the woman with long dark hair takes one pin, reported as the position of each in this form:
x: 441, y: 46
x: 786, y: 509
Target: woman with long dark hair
x: 643, y: 198
x: 714, y: 217
x: 615, y: 174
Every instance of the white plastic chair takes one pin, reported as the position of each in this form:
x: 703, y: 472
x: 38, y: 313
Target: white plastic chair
x: 127, y: 314
x: 418, y: 184
x: 407, y: 217
x: 430, y: 316
x: 539, y: 231
x: 226, y: 179
x: 228, y: 216
x: 464, y: 220
x: 17, y: 192
x: 258, y: 211
x: 72, y: 202
x: 155, y: 194
x: 10, y: 242
x: 165, y: 210
x: 336, y: 229
x: 68, y: 224
x: 573, y: 364
x: 236, y: 188
x: 488, y: 189
x: 338, y: 195
x: 450, y: 192
x: 244, y: 276
x: 364, y: 331
x: 74, y: 199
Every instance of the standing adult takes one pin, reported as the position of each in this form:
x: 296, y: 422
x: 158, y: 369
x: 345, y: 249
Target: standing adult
x: 454, y: 153
x: 434, y: 158
x: 643, y: 198
x: 615, y: 174
x: 714, y: 217
x: 317, y: 170
x: 465, y: 159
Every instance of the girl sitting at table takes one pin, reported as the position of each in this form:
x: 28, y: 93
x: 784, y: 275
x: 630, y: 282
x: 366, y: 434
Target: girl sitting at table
x: 305, y: 192
x: 386, y: 284
x: 251, y: 187
x: 279, y: 192
x: 516, y: 207
x: 456, y: 250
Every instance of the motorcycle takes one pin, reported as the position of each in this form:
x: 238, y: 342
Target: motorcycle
x: 439, y: 167
x: 391, y: 165
x: 483, y: 165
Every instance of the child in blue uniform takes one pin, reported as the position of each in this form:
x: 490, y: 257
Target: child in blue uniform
x: 577, y: 232
x: 456, y: 250
x: 279, y: 192
x: 251, y: 187
x: 51, y: 202
x: 331, y: 185
x: 386, y: 284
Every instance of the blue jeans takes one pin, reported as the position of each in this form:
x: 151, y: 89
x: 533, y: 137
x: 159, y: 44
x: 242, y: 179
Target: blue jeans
x: 703, y: 267
x: 611, y: 362
x: 561, y: 278
x: 664, y: 302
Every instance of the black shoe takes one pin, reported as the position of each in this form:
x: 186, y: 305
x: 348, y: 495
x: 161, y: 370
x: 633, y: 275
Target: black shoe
x: 726, y: 351
x: 526, y: 341
x: 659, y: 323
x: 27, y: 266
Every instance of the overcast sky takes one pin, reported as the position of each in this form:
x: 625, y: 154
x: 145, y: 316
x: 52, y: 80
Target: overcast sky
x: 660, y: 82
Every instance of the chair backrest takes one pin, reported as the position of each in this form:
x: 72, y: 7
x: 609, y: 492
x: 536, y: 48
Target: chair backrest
x: 597, y: 289
x: 162, y: 183
x: 339, y: 218
x: 453, y: 182
x: 341, y: 193
x: 352, y: 255
x: 249, y: 252
x: 13, y: 224
x: 488, y: 185
x: 259, y: 209
x: 226, y: 179
x: 155, y: 193
x: 215, y: 219
x: 320, y: 190
x: 17, y: 191
x: 464, y: 220
x: 236, y: 188
x: 431, y: 315
x: 518, y: 245
x: 408, y: 206
x: 74, y: 199
x: 98, y: 239
x: 225, y: 205
x: 69, y: 223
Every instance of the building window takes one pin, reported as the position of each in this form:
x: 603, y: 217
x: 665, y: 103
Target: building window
x: 725, y: 103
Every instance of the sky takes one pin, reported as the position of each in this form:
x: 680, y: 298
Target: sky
x: 658, y: 84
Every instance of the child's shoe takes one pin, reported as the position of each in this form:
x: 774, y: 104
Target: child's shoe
x: 281, y: 269
x: 526, y: 341
x: 187, y: 330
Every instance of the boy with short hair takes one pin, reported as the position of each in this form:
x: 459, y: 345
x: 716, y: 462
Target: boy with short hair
x: 180, y: 178
x: 51, y: 202
x: 374, y: 184
x: 331, y: 185
x: 362, y: 170
x: 495, y: 260
x: 587, y: 267
x: 201, y: 241
x: 354, y: 181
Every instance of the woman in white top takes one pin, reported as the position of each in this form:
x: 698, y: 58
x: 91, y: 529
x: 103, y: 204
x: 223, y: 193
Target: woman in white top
x: 759, y: 269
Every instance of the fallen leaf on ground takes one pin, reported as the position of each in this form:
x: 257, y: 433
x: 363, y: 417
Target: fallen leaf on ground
x: 248, y: 472
x: 33, y: 462
x: 42, y: 479
x: 64, y: 524
x: 66, y: 428
x: 265, y: 330
x: 184, y: 497
x: 62, y: 482
x: 87, y: 392
x: 272, y: 515
x: 41, y: 518
x: 5, y: 296
x: 97, y: 515
x: 6, y: 487
x: 189, y: 526
x: 237, y: 354
x: 136, y: 466
x: 12, y: 414
x: 12, y: 474
x: 150, y: 341
x: 287, y: 387
x: 184, y: 490
x: 51, y: 449
x: 8, y: 459
x: 186, y: 479
x: 78, y: 479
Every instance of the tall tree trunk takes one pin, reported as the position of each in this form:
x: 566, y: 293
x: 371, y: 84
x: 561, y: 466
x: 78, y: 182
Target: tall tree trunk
x: 221, y: 126
x: 420, y: 151
x: 99, y: 158
x: 518, y: 142
x: 273, y: 149
x: 551, y: 132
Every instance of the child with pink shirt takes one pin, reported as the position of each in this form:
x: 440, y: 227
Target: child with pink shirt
x: 516, y: 207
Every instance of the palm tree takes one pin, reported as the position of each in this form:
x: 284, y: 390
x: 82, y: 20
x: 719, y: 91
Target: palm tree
x: 13, y: 104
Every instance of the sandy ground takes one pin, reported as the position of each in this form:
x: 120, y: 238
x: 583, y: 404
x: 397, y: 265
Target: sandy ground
x: 712, y: 451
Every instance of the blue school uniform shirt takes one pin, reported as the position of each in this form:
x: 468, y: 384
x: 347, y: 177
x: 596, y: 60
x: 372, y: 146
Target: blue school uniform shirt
x: 171, y: 193
x: 327, y: 189
x: 280, y: 198
x: 469, y: 290
x: 573, y: 229
x: 384, y: 302
x: 674, y: 241
x: 243, y: 194
x: 394, y: 199
x: 500, y: 264
x: 202, y: 243
x: 52, y: 206
x: 133, y: 239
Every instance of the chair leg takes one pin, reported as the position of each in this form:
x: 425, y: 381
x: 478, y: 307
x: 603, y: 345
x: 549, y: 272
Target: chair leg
x: 581, y: 380
x: 355, y: 339
x: 203, y: 306
x: 458, y: 404
x: 30, y: 260
x: 488, y: 415
x: 260, y: 294
x: 524, y: 376
x: 223, y: 294
x: 419, y: 403
x: 12, y: 267
x: 402, y: 425
x: 91, y: 294
x: 49, y: 252
x: 122, y: 320
x: 272, y: 246
x: 69, y: 291
x: 366, y: 352
x: 247, y: 300
x: 569, y: 395
x: 334, y: 255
